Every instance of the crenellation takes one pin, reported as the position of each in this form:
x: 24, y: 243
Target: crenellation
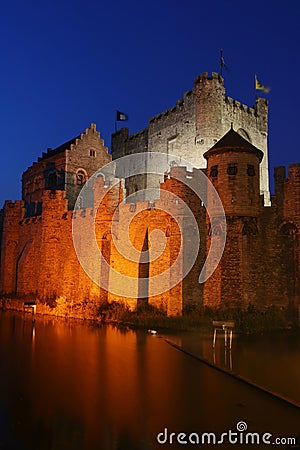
x: 187, y: 94
x: 179, y: 103
x: 215, y: 76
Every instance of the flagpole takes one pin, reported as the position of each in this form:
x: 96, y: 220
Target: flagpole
x: 221, y: 64
x: 255, y: 93
x: 116, y: 122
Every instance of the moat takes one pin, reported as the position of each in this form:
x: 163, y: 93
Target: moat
x: 72, y: 385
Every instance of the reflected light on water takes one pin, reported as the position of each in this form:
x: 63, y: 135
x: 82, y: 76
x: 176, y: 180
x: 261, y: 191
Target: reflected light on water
x: 69, y: 385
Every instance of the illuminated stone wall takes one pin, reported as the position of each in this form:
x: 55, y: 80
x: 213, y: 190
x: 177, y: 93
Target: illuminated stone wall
x: 260, y: 264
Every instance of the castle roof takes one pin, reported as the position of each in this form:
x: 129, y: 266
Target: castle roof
x: 66, y: 146
x: 233, y: 141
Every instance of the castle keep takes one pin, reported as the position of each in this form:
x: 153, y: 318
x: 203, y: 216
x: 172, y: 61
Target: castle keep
x: 194, y: 125
x: 225, y: 140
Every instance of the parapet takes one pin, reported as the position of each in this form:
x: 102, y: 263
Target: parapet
x: 294, y: 171
x: 16, y: 204
x: 138, y: 133
x: 206, y: 77
x: 180, y: 104
x: 122, y: 133
x: 238, y: 105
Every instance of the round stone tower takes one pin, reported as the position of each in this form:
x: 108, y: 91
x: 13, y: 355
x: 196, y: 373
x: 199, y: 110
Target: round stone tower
x: 233, y: 168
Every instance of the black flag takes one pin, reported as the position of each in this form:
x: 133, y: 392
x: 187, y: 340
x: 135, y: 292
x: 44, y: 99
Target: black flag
x: 223, y: 65
x: 121, y: 116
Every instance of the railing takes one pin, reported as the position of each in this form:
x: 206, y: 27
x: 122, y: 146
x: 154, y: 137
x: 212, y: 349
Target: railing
x: 227, y: 328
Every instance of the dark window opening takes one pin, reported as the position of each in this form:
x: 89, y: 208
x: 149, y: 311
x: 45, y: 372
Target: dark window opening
x: 250, y: 170
x: 214, y: 171
x: 232, y: 169
x: 250, y: 229
x: 52, y: 180
x: 80, y: 178
x: 288, y: 229
x: 93, y: 153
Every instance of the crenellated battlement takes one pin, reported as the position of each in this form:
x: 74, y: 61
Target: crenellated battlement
x: 205, y: 76
x: 13, y: 204
x: 138, y: 134
x: 181, y: 104
x: 294, y: 172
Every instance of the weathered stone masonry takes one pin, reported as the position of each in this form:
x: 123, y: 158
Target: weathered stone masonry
x: 260, y: 264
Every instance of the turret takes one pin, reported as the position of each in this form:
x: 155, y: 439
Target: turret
x: 210, y: 94
x: 233, y: 168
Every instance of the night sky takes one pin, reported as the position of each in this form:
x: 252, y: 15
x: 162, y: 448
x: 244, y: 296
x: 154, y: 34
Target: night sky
x: 67, y: 64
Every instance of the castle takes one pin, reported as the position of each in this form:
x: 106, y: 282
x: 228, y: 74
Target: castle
x: 224, y: 140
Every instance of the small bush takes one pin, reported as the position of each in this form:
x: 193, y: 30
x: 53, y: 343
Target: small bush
x: 113, y: 311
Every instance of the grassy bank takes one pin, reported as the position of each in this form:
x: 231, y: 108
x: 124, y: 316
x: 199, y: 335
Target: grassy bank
x: 250, y: 320
x: 194, y: 318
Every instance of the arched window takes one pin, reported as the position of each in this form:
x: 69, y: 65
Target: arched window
x: 288, y: 229
x: 215, y: 228
x: 37, y: 183
x: 250, y: 229
x: 80, y: 177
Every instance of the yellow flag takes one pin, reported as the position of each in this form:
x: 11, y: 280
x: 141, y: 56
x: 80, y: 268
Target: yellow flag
x: 261, y: 87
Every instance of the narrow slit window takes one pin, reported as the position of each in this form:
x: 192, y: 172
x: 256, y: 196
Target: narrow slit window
x: 250, y: 170
x: 214, y: 171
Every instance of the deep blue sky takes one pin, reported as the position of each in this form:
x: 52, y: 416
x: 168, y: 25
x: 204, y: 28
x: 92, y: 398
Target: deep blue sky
x: 65, y: 64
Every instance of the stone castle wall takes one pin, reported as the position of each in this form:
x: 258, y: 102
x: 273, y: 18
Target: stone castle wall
x: 39, y: 258
x: 261, y: 253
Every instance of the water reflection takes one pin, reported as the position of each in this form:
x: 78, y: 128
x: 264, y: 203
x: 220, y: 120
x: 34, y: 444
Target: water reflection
x: 67, y: 385
x: 226, y: 362
x: 270, y: 360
